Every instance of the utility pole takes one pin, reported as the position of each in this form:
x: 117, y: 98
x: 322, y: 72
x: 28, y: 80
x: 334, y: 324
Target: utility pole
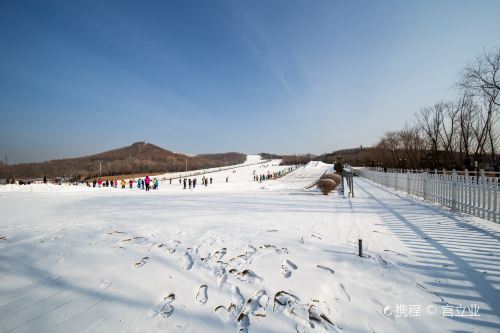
x: 100, y: 167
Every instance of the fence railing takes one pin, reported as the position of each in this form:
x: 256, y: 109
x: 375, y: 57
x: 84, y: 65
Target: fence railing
x: 347, y: 174
x: 471, y: 194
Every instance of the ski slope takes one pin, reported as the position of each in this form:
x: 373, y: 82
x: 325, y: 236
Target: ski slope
x: 241, y: 256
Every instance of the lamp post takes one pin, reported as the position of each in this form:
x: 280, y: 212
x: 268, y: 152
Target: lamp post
x: 100, y: 167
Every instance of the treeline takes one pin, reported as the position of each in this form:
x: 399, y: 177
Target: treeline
x: 456, y: 133
x: 289, y: 159
x: 297, y: 159
x: 139, y: 158
x: 354, y: 156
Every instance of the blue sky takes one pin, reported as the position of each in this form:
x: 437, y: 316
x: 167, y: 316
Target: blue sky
x: 81, y: 77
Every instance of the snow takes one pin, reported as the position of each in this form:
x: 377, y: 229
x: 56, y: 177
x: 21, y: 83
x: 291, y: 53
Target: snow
x: 274, y: 256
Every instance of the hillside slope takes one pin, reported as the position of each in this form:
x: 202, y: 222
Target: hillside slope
x: 139, y: 157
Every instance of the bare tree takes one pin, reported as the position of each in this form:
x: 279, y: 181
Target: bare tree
x: 467, y: 110
x: 483, y: 76
x: 430, y: 121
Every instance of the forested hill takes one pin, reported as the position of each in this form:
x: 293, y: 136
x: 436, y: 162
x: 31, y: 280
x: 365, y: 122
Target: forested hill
x: 139, y: 157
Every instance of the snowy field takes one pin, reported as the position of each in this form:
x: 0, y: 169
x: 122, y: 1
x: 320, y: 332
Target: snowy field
x: 242, y: 256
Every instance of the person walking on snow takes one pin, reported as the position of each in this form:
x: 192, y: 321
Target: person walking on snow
x: 130, y: 182
x: 189, y: 183
x: 156, y: 184
x: 147, y: 180
x: 184, y: 183
x: 123, y: 183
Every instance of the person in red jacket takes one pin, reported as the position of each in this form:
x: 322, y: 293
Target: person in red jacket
x: 130, y: 182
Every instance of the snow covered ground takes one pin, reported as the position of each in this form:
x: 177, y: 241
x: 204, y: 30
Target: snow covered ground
x: 242, y: 256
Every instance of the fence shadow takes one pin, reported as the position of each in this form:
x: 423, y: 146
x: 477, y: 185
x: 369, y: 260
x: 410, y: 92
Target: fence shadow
x: 449, y: 248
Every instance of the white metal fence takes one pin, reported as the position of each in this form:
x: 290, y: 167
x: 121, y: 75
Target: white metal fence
x: 471, y: 194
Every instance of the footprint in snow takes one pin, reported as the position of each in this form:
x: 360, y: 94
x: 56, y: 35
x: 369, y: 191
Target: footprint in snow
x: 245, y: 275
x: 342, y: 292
x: 186, y: 261
x: 381, y: 260
x: 283, y: 299
x: 308, y: 316
x: 201, y: 296
x: 286, y: 268
x: 164, y: 308
x: 222, y: 313
x: 256, y: 305
x: 325, y: 268
x: 131, y: 239
x: 141, y: 262
x: 170, y: 246
x: 242, y: 323
x: 233, y: 311
x: 105, y: 283
x: 115, y: 232
x: 396, y: 253
x: 316, y: 316
x: 316, y: 235
x: 237, y: 299
x: 219, y: 254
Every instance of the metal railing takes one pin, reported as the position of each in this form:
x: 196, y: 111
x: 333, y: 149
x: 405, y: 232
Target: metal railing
x: 347, y: 174
x: 472, y: 194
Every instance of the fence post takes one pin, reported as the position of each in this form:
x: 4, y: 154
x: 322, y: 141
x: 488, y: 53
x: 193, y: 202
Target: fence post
x: 495, y: 189
x: 424, y: 185
x: 454, y: 190
x: 408, y: 182
x: 352, y: 184
x: 483, y: 187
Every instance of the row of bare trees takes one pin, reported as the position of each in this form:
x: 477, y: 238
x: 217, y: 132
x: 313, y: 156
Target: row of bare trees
x: 453, y: 134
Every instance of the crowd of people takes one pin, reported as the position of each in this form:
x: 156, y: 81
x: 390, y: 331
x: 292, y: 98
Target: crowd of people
x: 271, y: 175
x: 143, y: 184
x: 147, y: 183
x: 189, y: 183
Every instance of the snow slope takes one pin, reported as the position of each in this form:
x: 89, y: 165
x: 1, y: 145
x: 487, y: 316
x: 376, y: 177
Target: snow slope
x: 240, y: 256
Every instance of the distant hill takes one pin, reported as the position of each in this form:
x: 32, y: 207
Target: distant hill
x: 267, y: 156
x: 139, y: 157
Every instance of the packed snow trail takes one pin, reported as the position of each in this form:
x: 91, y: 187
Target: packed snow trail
x: 241, y: 256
